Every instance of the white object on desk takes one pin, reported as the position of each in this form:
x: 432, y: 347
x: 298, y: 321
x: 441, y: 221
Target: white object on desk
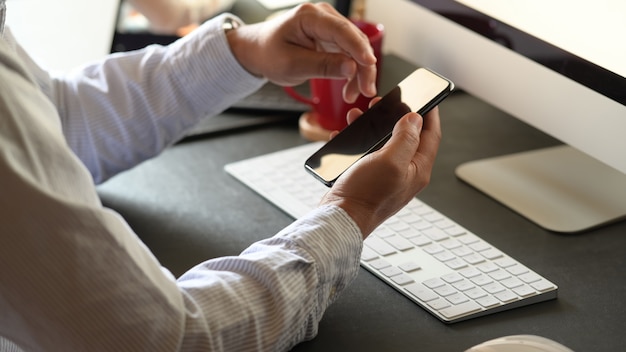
x: 63, y: 34
x: 520, y: 343
x: 279, y: 4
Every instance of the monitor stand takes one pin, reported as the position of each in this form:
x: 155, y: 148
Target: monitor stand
x: 560, y: 188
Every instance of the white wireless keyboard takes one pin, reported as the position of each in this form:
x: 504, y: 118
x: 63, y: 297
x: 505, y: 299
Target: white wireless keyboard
x: 445, y: 268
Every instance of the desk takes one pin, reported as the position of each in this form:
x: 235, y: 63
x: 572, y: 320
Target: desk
x: 187, y: 209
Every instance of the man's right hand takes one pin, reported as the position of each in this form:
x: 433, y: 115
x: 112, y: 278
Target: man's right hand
x: 383, y: 182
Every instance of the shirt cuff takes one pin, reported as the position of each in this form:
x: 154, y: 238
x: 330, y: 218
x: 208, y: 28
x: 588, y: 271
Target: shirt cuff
x: 333, y: 239
x: 208, y: 71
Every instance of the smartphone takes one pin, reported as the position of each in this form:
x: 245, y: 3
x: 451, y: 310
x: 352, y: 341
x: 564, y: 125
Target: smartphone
x: 421, y: 91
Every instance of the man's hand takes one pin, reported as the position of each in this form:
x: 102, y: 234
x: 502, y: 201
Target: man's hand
x: 383, y: 182
x: 309, y: 41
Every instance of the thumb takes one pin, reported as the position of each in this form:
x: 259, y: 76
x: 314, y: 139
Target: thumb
x: 405, y: 138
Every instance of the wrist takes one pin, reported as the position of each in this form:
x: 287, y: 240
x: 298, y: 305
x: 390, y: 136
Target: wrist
x: 364, y: 219
x: 241, y: 44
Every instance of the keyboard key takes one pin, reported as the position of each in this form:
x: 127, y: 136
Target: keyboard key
x: 455, y: 231
x: 475, y: 293
x: 512, y: 282
x: 433, y: 217
x: 479, y: 246
x: 524, y: 291
x: 399, y: 243
x: 530, y: 277
x: 506, y: 296
x: 450, y: 244
x: 463, y: 285
x: 367, y: 254
x: 505, y: 262
x: 384, y: 231
x: 444, y: 223
x: 433, y: 248
x: 487, y: 267
x: 402, y: 279
x: 435, y: 234
x: 379, y: 246
x: 493, y: 288
x: 491, y: 253
x: 399, y: 226
x: 445, y: 290
x: 542, y: 285
x: 452, y: 278
x: 456, y: 264
x: 444, y: 256
x: 460, y: 310
x: 379, y: 264
x: 488, y: 301
x: 439, y: 304
x: 420, y: 240
x: 422, y: 293
x: 434, y: 283
x: 409, y: 233
x: 473, y: 258
x: 410, y: 217
x: 468, y: 239
x: 517, y: 269
x: 461, y: 251
x: 391, y: 271
x: 421, y: 225
x: 499, y: 275
x: 482, y: 280
x: 409, y: 266
x: 422, y: 210
x: 457, y: 298
x: 470, y: 273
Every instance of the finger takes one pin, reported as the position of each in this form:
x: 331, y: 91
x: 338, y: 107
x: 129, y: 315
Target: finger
x: 321, y: 64
x: 366, y: 76
x: 405, y: 138
x: 351, y: 90
x: 363, y: 83
x: 353, y: 114
x: 334, y: 66
x: 430, y: 135
x: 374, y: 101
x: 328, y: 25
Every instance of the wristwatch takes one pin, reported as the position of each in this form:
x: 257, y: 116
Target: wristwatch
x: 231, y: 23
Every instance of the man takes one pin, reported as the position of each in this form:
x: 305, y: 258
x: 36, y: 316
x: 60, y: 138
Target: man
x: 75, y: 277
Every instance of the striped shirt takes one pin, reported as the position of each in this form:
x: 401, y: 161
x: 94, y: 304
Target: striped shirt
x: 74, y: 276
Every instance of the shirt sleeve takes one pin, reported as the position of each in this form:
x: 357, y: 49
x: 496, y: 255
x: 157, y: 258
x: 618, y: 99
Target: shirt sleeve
x: 130, y: 106
x: 75, y: 277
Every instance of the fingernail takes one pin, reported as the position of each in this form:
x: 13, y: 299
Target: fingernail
x: 415, y: 120
x: 372, y: 89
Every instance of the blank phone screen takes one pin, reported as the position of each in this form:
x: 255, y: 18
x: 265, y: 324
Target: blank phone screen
x: 419, y: 92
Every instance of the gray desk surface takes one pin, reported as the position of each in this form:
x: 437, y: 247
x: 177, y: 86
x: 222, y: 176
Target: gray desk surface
x: 187, y: 209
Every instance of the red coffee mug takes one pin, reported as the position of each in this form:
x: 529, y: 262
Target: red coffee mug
x: 326, y: 100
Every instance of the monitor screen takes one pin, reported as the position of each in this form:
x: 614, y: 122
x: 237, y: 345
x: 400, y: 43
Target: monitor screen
x: 580, y: 40
x: 560, y: 67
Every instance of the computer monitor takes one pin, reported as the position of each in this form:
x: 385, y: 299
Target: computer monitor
x: 557, y: 65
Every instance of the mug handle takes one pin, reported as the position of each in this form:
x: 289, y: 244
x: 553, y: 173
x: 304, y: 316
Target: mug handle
x: 297, y: 96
